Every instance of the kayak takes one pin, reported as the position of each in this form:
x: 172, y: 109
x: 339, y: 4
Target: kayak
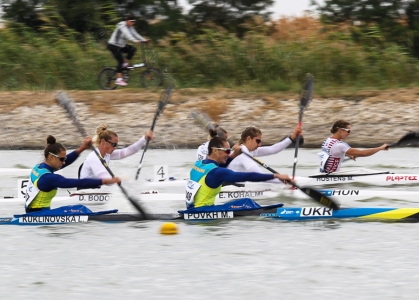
x: 362, y: 176
x: 14, y: 171
x: 234, y: 209
x: 97, y: 196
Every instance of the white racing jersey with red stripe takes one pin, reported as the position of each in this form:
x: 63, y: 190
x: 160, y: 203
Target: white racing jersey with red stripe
x: 332, y: 155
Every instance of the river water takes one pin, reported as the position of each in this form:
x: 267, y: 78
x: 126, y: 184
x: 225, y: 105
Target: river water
x: 236, y: 259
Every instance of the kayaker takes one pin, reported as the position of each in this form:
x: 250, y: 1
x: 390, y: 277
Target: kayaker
x: 207, y: 177
x: 334, y: 150
x: 202, y: 151
x: 251, y: 141
x: 106, y: 141
x: 43, y: 183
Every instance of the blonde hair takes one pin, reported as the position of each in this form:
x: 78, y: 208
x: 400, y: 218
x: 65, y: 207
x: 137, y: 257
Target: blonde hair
x: 103, y: 133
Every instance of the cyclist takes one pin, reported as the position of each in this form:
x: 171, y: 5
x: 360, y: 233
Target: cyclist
x: 117, y: 44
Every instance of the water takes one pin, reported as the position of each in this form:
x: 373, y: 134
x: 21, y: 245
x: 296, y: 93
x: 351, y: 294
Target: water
x: 235, y: 259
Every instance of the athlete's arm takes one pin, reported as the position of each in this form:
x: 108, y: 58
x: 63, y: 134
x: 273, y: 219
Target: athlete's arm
x: 130, y: 150
x: 48, y: 182
x: 217, y: 176
x: 366, y: 152
x: 275, y: 148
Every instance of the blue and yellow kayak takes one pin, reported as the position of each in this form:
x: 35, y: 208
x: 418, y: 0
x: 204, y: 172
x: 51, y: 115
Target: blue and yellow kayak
x: 275, y: 211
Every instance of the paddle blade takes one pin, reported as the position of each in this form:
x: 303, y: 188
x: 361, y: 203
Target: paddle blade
x: 320, y: 198
x: 68, y: 104
x: 307, y: 92
x: 202, y: 119
x: 138, y: 171
x: 410, y: 139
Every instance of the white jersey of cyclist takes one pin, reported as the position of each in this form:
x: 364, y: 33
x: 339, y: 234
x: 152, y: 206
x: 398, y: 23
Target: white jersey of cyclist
x: 93, y: 168
x: 243, y: 163
x: 332, y: 155
x: 123, y: 33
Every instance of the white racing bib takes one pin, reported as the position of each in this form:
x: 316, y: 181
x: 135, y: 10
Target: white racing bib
x: 192, y: 188
x: 323, y: 159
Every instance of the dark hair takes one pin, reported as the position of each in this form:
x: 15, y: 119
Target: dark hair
x: 130, y: 17
x: 249, y: 131
x: 217, y: 131
x: 216, y: 142
x: 52, y: 147
x: 339, y: 124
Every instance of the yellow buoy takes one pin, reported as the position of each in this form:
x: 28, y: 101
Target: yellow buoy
x: 168, y: 228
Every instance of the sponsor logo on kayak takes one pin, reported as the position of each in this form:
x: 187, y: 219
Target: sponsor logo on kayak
x: 209, y: 215
x: 287, y: 212
x: 269, y: 215
x: 240, y: 194
x: 401, y: 178
x: 316, y: 212
x: 53, y: 219
x: 94, y: 197
x: 339, y: 192
x: 335, y: 178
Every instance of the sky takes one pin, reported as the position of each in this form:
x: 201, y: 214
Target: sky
x: 291, y: 8
x: 288, y: 8
x: 280, y: 8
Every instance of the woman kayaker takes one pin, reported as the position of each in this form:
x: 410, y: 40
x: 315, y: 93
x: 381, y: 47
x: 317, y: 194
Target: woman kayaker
x: 207, y: 177
x: 251, y: 141
x: 106, y: 141
x: 334, y: 149
x: 43, y: 183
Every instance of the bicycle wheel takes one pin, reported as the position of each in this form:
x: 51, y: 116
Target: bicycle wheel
x: 152, y: 78
x: 107, y: 78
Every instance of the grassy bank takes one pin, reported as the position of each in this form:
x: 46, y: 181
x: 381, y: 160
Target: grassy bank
x: 269, y: 58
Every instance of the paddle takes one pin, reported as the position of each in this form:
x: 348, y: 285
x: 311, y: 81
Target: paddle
x: 202, y: 119
x: 304, y: 100
x: 67, y: 103
x: 410, y: 139
x: 312, y: 193
x: 164, y: 99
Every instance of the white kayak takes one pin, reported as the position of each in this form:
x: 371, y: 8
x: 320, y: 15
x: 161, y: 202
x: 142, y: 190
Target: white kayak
x: 364, y: 176
x: 14, y: 172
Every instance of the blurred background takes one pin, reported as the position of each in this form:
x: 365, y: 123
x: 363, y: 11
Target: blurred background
x: 262, y: 44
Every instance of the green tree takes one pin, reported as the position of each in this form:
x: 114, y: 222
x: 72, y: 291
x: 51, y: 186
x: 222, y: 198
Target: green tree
x: 22, y: 11
x: 230, y: 14
x: 412, y: 14
x: 97, y: 17
x: 385, y: 18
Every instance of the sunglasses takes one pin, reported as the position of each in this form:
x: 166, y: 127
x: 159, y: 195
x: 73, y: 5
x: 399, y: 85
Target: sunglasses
x: 62, y: 159
x: 226, y: 150
x: 346, y: 129
x: 112, y: 144
x: 258, y: 141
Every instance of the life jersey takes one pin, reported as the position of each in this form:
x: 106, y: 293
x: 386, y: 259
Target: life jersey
x: 332, y: 155
x: 35, y: 198
x: 197, y: 192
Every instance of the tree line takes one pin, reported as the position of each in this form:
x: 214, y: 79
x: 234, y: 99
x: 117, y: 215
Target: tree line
x: 52, y: 44
x: 382, y: 21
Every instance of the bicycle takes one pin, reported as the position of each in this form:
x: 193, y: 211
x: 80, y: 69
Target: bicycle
x: 151, y: 77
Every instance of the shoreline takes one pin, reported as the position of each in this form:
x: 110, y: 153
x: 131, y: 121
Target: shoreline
x: 376, y: 117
